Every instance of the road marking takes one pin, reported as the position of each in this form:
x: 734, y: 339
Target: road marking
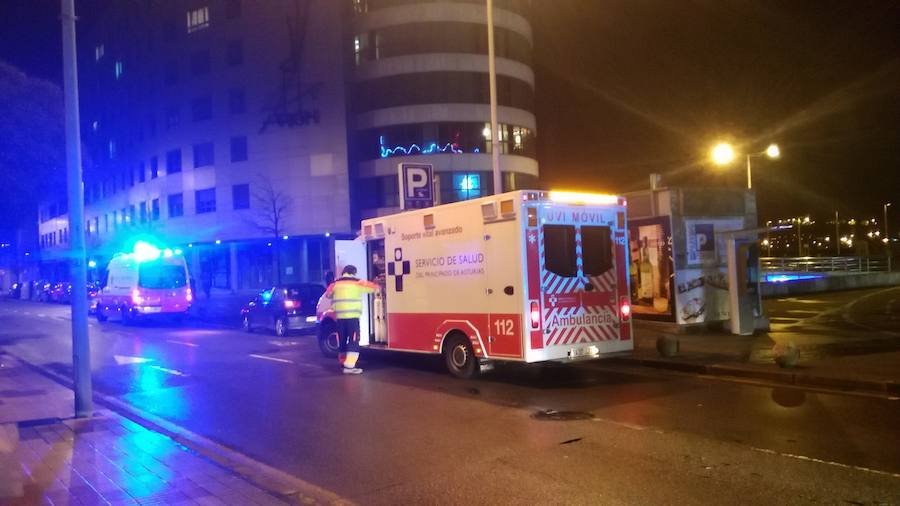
x: 170, y: 371
x: 263, y: 357
x: 41, y: 315
x: 845, y: 313
x: 802, y: 311
x: 123, y: 359
x: 826, y: 462
x: 183, y: 343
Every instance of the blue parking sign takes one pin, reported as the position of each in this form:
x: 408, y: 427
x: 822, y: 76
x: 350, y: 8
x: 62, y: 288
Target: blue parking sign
x: 416, y: 185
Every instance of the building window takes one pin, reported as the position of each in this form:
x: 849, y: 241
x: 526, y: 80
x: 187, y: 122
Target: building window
x: 176, y: 205
x: 197, y: 19
x: 204, y: 154
x: 236, y: 101
x: 106, y: 222
x: 232, y: 9
x: 239, y: 149
x: 154, y: 210
x: 467, y: 185
x: 142, y: 175
x: 170, y: 74
x: 360, y: 6
x: 234, y: 52
x: 201, y: 108
x: 200, y: 62
x: 360, y: 48
x: 144, y: 212
x: 113, y: 152
x: 131, y: 214
x: 172, y: 117
x: 205, y: 200
x: 99, y: 51
x: 154, y: 167
x: 118, y: 69
x: 173, y: 161
x: 240, y: 196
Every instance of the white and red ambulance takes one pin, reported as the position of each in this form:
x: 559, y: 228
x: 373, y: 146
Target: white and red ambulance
x: 525, y: 276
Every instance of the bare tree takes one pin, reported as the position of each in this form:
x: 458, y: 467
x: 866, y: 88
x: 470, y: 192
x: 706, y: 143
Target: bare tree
x: 272, y: 206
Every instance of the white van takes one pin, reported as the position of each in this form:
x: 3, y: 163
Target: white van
x: 147, y: 282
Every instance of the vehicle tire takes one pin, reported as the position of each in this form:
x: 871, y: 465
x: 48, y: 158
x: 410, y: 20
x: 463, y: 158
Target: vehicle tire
x: 460, y: 357
x: 245, y: 324
x: 99, y: 314
x: 127, y: 318
x: 328, y: 339
x: 281, y: 327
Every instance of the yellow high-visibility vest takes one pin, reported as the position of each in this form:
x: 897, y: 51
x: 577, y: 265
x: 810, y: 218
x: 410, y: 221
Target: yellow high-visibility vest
x: 346, y: 293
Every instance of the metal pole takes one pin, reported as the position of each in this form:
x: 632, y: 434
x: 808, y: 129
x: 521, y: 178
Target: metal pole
x: 799, y: 240
x: 749, y: 178
x: 837, y: 233
x: 81, y: 356
x: 887, y: 237
x: 492, y: 73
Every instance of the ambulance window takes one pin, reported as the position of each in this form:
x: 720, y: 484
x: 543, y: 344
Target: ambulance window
x: 559, y: 250
x: 596, y: 250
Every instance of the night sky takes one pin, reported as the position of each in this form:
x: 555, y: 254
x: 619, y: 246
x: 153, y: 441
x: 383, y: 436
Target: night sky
x: 630, y: 87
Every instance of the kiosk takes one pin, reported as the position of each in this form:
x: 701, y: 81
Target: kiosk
x: 694, y: 257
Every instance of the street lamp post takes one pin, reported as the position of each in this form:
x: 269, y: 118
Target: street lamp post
x: 723, y: 154
x: 492, y: 83
x: 887, y: 236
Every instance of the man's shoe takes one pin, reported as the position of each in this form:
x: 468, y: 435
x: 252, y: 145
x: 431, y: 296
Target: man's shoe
x: 352, y: 370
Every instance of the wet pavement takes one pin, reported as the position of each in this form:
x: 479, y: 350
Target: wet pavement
x: 405, y: 431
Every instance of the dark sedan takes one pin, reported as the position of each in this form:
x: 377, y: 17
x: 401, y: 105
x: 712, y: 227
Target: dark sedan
x: 283, y: 308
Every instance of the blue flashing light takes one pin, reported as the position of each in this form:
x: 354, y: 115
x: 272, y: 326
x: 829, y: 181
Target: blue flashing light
x: 218, y: 242
x: 787, y: 278
x: 92, y: 264
x: 191, y: 245
x: 167, y: 253
x: 178, y: 251
x: 327, y: 234
x: 145, y: 252
x: 285, y: 237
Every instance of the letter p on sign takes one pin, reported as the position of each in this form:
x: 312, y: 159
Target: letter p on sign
x: 416, y: 185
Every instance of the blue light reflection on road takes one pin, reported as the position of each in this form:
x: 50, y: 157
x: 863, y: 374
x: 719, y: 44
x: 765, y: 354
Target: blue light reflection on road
x: 787, y: 278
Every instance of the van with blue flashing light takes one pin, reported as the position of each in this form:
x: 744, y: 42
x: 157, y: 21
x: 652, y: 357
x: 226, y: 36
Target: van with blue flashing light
x: 146, y: 282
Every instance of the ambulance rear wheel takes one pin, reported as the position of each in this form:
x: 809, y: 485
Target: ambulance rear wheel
x: 460, y: 357
x: 329, y: 341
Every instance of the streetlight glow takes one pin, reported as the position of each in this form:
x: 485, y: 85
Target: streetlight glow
x: 722, y: 153
x: 773, y: 151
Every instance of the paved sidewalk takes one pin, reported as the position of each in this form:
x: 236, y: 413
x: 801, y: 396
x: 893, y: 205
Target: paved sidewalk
x: 47, y: 457
x: 867, y: 364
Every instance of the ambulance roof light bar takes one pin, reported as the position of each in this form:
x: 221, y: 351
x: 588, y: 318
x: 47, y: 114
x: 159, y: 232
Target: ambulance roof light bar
x: 583, y: 198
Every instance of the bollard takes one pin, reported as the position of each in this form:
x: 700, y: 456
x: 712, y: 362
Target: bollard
x: 667, y: 346
x: 786, y: 355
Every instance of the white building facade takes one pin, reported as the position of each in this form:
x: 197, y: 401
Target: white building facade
x: 203, y: 121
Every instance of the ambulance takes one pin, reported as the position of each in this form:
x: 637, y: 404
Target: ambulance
x: 524, y: 276
x: 148, y: 282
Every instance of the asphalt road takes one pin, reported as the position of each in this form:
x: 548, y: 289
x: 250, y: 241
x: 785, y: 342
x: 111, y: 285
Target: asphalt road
x: 406, y: 432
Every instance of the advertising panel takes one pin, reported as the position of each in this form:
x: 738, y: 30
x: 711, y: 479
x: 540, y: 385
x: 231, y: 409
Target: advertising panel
x: 701, y: 290
x: 651, y: 269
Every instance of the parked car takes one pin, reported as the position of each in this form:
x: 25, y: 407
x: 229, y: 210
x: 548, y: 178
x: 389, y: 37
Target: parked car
x: 60, y: 293
x: 40, y: 290
x: 283, y: 308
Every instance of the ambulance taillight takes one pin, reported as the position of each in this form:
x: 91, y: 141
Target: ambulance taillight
x: 625, y: 309
x: 535, y: 315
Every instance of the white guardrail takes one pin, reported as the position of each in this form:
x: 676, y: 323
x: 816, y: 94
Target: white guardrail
x: 825, y: 264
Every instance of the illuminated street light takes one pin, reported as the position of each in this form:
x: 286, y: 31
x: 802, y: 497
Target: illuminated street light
x: 722, y: 153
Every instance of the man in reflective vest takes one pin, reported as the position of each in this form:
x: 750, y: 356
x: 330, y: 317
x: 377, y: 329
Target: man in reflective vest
x: 346, y: 294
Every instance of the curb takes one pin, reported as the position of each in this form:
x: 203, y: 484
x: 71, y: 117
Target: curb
x: 280, y: 484
x: 786, y: 377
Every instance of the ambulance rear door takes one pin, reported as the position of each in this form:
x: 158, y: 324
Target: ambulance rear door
x: 503, y: 262
x: 579, y: 281
x: 354, y: 253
